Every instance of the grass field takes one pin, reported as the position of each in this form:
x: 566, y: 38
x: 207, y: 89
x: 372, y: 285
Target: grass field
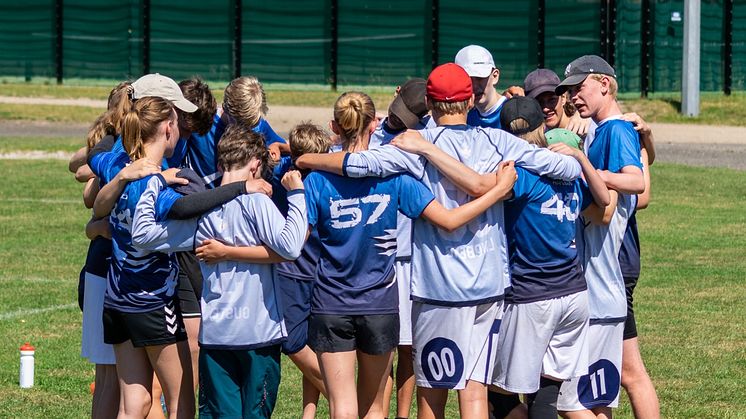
x: 690, y: 301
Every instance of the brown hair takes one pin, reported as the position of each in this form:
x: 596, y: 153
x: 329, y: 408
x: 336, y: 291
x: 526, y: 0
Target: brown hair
x: 142, y: 122
x: 110, y: 122
x: 238, y: 145
x: 535, y: 137
x: 353, y: 112
x: 198, y: 92
x: 244, y: 99
x: 448, y: 108
x: 308, y: 138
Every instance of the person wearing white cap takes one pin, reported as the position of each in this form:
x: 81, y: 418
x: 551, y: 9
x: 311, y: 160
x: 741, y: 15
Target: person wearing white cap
x: 480, y: 66
x: 158, y: 85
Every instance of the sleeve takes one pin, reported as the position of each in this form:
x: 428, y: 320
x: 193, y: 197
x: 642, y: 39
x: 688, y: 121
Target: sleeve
x: 168, y: 235
x: 194, y: 205
x: 282, y: 167
x: 523, y: 185
x: 285, y: 236
x: 625, y: 147
x: 383, y: 161
x: 537, y: 160
x: 586, y: 198
x: 102, y: 146
x: 311, y: 197
x: 414, y: 196
x: 101, y: 165
x: 165, y: 202
x: 270, y: 136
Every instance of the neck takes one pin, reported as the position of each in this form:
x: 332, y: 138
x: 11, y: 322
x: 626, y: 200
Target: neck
x: 154, y: 151
x: 452, y: 119
x: 359, y: 144
x: 610, y: 108
x: 492, y: 100
x: 239, y: 175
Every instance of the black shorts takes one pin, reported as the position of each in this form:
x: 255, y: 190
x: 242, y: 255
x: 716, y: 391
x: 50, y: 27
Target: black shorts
x: 373, y: 334
x: 158, y: 327
x: 630, y: 326
x: 190, y: 284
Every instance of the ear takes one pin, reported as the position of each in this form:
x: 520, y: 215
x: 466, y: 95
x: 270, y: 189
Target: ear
x: 427, y: 103
x: 471, y: 101
x: 334, y: 127
x: 496, y: 75
x: 372, y: 126
x: 604, y: 85
x: 254, y: 165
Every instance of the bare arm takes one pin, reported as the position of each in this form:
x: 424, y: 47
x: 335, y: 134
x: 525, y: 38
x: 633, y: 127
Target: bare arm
x: 78, y: 159
x: 84, y: 173
x: 646, y: 134
x: 452, y: 219
x: 327, y: 162
x: 598, y: 188
x: 643, y: 199
x: 96, y: 228
x: 629, y: 180
x: 90, y: 191
x: 213, y: 251
x: 108, y: 195
x: 601, y: 215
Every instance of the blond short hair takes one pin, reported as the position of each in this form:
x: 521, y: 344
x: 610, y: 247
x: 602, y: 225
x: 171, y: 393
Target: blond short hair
x: 535, y: 137
x: 308, y: 138
x: 613, y: 86
x: 245, y: 100
x: 448, y: 108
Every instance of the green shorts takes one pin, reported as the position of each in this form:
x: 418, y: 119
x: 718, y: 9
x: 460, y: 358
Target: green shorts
x: 238, y: 383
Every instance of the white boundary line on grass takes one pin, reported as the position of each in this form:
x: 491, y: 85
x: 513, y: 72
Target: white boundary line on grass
x: 44, y: 200
x: 30, y: 312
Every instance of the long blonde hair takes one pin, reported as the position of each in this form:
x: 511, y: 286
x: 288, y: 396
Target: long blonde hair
x: 110, y: 122
x: 141, y: 124
x: 353, y: 112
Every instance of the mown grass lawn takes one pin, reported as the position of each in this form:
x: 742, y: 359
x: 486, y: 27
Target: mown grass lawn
x: 690, y: 301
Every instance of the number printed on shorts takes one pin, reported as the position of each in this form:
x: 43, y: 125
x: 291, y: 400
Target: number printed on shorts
x: 601, y: 386
x: 346, y: 213
x: 442, y: 363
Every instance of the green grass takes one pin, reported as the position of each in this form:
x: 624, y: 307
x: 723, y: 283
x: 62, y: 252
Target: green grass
x: 715, y: 108
x: 46, y: 144
x: 689, y: 303
x: 49, y: 113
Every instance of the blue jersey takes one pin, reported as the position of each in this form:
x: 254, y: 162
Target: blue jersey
x: 356, y: 223
x: 540, y: 228
x: 491, y: 119
x: 201, y: 153
x: 106, y: 165
x: 176, y: 159
x: 615, y: 145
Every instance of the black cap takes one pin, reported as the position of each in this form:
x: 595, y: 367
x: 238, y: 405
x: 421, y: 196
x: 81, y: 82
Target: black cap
x: 540, y: 81
x: 580, y: 68
x: 521, y: 107
x: 409, y: 105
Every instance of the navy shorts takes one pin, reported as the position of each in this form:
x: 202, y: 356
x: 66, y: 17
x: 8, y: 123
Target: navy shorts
x: 296, y: 301
x: 630, y: 325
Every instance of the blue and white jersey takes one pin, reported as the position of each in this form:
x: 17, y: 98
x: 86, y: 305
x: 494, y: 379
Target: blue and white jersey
x: 176, y: 160
x: 240, y: 307
x: 629, y: 255
x: 356, y: 223
x: 201, y: 154
x: 615, y: 144
x: 108, y: 164
x: 540, y: 226
x: 470, y: 265
x: 491, y: 119
x: 139, y: 281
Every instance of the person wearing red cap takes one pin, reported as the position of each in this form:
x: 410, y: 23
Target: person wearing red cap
x: 458, y: 278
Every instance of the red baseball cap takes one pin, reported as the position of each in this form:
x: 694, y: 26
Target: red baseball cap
x: 449, y: 83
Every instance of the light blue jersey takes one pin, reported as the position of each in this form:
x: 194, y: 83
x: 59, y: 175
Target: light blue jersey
x: 468, y: 266
x: 491, y: 119
x: 240, y: 307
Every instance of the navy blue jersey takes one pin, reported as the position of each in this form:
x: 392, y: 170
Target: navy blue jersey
x: 489, y: 120
x: 279, y: 193
x: 629, y: 254
x: 356, y: 222
x: 540, y: 228
x: 615, y: 145
x: 139, y: 281
x: 98, y: 258
x: 201, y: 153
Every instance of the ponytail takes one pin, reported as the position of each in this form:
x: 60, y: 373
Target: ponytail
x: 110, y: 122
x: 353, y: 112
x: 141, y: 123
x: 132, y: 135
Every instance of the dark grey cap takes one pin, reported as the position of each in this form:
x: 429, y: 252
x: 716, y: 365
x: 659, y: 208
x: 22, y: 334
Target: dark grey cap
x: 580, y: 68
x: 540, y: 81
x: 409, y: 105
x: 521, y: 107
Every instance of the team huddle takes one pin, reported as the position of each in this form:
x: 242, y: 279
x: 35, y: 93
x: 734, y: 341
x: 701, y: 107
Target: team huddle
x: 487, y: 240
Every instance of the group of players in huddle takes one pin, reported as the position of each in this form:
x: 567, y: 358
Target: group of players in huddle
x: 488, y: 239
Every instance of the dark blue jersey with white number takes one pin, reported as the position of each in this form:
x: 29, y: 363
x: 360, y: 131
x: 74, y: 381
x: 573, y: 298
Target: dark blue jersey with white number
x: 356, y: 223
x: 540, y: 228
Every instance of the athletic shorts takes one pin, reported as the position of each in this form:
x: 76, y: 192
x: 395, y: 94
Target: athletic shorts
x: 454, y: 344
x: 600, y: 386
x: 92, y: 340
x: 296, y: 302
x: 403, y: 271
x: 190, y: 284
x: 630, y: 325
x: 373, y: 334
x: 238, y: 383
x: 158, y: 327
x: 545, y: 337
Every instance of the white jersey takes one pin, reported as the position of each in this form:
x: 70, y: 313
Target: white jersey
x: 470, y: 265
x: 240, y: 307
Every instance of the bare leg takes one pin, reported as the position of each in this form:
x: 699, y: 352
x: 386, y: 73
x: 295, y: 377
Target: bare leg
x: 387, y: 389
x: 173, y: 366
x: 602, y: 412
x: 579, y: 414
x: 431, y: 403
x: 310, y: 399
x: 373, y: 372
x: 308, y: 364
x: 637, y: 383
x: 404, y: 381
x: 338, y: 370
x: 472, y: 400
x: 191, y: 324
x: 135, y: 380
x: 106, y: 394
x: 156, y: 410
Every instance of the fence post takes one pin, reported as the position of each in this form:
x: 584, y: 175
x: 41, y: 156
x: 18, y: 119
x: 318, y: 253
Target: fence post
x: 690, y: 67
x: 435, y: 33
x: 334, y: 46
x: 645, y: 36
x: 59, y: 32
x: 541, y: 15
x: 237, y: 35
x: 608, y: 30
x: 728, y: 46
x: 146, y: 36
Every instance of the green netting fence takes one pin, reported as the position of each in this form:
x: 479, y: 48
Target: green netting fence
x: 363, y: 42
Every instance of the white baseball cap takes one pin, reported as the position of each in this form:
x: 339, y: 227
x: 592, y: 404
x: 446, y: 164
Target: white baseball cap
x: 164, y: 87
x: 476, y: 60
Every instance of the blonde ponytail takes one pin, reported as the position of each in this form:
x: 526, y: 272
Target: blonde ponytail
x: 110, y: 122
x: 353, y: 112
x: 140, y: 124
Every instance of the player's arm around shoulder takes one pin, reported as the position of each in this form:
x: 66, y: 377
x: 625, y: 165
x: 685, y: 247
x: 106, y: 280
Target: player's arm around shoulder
x: 540, y: 161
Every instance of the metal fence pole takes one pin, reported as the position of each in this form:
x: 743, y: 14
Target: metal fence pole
x: 690, y: 67
x: 608, y: 30
x: 728, y: 46
x: 146, y: 36
x: 334, y: 46
x: 541, y: 15
x: 59, y: 32
x: 237, y: 35
x: 435, y: 33
x: 646, y: 23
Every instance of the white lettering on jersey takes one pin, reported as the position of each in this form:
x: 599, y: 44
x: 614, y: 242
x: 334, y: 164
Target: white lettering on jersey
x: 559, y: 205
x: 346, y: 213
